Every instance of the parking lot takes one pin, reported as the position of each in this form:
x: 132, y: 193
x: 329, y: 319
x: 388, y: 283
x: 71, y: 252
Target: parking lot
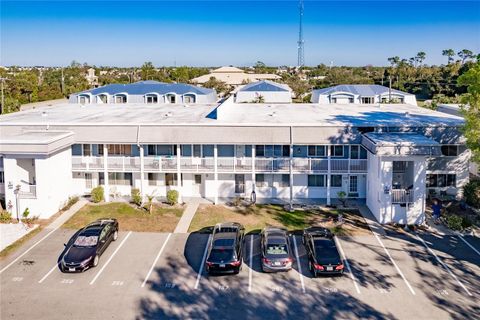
x: 160, y: 275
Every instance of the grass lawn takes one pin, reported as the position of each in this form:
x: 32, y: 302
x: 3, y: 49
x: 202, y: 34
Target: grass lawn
x: 162, y: 219
x: 257, y: 217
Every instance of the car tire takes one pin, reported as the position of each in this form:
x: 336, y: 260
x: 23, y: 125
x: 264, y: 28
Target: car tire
x: 95, y: 260
x: 115, y: 235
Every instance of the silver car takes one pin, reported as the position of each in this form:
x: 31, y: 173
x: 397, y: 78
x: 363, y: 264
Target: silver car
x: 275, y: 250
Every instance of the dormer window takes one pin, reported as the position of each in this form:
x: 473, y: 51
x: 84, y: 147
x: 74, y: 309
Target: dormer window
x: 189, y: 98
x: 120, y: 98
x: 151, y: 98
x: 102, y: 98
x: 368, y: 100
x: 170, y: 98
x: 83, y: 99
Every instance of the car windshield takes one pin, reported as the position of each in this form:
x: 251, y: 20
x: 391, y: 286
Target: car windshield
x: 220, y: 254
x: 276, y: 249
x: 86, y: 241
x: 326, y: 251
x: 223, y: 243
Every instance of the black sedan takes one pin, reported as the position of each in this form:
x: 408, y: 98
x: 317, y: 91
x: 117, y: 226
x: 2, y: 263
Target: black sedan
x: 85, y: 248
x: 225, y: 254
x: 323, y: 256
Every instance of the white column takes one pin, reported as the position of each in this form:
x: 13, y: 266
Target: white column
x: 253, y: 167
x: 328, y: 175
x: 215, y: 174
x: 291, y: 176
x: 106, y: 187
x: 142, y: 171
x: 179, y: 175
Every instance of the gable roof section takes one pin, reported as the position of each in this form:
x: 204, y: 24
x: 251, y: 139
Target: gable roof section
x: 365, y: 90
x: 265, y: 86
x: 144, y: 87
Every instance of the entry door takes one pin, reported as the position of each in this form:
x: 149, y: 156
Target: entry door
x: 197, y: 185
x: 240, y: 150
x: 239, y: 183
x: 353, y: 185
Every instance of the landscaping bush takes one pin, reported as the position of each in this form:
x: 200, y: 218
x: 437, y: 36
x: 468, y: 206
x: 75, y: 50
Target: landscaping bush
x: 471, y: 192
x: 454, y: 222
x: 172, y: 197
x: 97, y: 194
x: 5, y: 216
x: 71, y: 201
x: 342, y: 197
x: 26, y: 213
x: 136, y: 196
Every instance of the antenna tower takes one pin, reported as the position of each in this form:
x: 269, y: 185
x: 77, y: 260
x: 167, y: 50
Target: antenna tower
x: 301, y: 42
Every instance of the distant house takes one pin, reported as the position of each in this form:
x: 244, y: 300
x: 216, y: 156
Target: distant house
x: 92, y: 79
x: 148, y: 92
x: 361, y: 94
x: 264, y: 91
x: 234, y: 76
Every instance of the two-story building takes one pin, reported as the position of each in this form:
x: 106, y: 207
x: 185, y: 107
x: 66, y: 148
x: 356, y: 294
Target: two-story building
x: 392, y: 156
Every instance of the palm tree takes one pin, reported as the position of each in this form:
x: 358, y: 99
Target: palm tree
x: 465, y: 54
x: 394, y: 60
x: 420, y: 57
x: 449, y: 53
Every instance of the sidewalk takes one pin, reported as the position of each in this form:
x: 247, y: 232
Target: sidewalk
x: 67, y: 214
x: 188, y: 214
x: 373, y: 224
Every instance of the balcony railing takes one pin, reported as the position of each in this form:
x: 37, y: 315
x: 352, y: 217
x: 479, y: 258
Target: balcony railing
x: 402, y: 196
x: 224, y: 164
x: 27, y: 191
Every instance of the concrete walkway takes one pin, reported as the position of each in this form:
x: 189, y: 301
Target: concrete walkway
x: 67, y: 214
x: 188, y: 214
x: 373, y: 224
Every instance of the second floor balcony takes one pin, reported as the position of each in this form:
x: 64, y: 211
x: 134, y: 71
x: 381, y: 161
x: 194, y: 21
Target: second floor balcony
x: 224, y: 164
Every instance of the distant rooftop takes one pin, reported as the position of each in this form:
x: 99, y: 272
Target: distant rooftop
x: 265, y: 85
x: 366, y: 90
x: 149, y: 86
x: 227, y: 69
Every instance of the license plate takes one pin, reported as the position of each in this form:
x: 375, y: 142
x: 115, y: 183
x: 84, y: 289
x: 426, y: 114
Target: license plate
x: 277, y: 263
x: 329, y: 268
x: 71, y: 269
x: 222, y: 266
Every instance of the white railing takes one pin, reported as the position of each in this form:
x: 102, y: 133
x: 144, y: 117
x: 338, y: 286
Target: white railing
x: 27, y: 191
x: 402, y: 196
x: 224, y: 164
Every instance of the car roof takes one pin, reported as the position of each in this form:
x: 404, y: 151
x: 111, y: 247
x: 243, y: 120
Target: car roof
x: 101, y: 222
x: 318, y: 232
x: 227, y: 227
x: 91, y: 230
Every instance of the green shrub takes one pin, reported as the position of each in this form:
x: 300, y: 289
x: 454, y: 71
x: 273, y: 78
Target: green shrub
x: 454, y: 222
x: 466, y: 223
x: 172, y: 197
x: 97, y: 194
x: 342, y: 197
x: 136, y: 196
x: 71, y: 201
x: 5, y: 216
x: 471, y: 192
x: 26, y: 213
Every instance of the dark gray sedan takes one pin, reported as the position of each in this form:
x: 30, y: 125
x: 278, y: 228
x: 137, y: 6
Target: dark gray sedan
x: 275, y: 250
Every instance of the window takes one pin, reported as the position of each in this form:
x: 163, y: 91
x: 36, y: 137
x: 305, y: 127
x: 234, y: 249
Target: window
x: 368, y: 100
x: 2, y: 177
x: 272, y: 150
x: 120, y: 98
x: 119, y: 149
x: 83, y: 99
x: 441, y: 180
x: 450, y: 150
x: 170, y: 98
x: 88, y: 181
x: 336, y: 151
x: 354, y: 152
x: 316, y: 180
x: 170, y: 179
x: 117, y: 178
x: 334, y: 100
x: 283, y: 180
x: 260, y: 151
x: 316, y: 151
x: 336, y: 181
x: 103, y: 98
x: 189, y: 98
x: 353, y: 188
x: 260, y: 180
x: 350, y: 100
x: 87, y: 150
x: 197, y: 150
x: 198, y: 179
x: 151, y: 99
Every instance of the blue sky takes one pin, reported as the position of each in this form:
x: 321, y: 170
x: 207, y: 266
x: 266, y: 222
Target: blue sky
x: 212, y: 33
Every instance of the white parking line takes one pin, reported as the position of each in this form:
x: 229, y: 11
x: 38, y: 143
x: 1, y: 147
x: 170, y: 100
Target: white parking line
x: 110, y: 259
x: 444, y: 265
x: 49, y: 272
x: 299, y: 264
x: 28, y: 250
x: 352, y: 276
x: 202, y: 264
x: 250, y: 272
x: 394, y: 263
x: 468, y: 244
x: 155, y: 261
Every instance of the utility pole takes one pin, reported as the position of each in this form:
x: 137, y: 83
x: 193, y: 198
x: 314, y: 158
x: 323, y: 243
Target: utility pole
x: 3, y: 97
x: 63, y: 83
x: 301, y: 42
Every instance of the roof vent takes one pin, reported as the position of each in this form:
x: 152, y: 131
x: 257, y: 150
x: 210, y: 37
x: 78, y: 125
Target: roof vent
x: 168, y: 114
x: 44, y: 113
x: 273, y: 114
